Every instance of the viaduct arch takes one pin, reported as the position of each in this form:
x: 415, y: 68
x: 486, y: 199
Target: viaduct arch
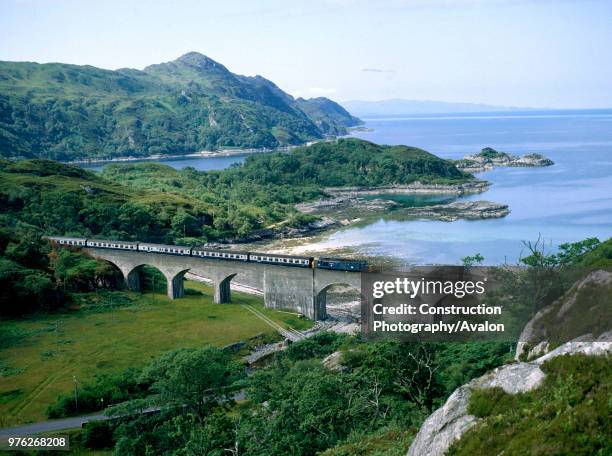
x: 284, y: 287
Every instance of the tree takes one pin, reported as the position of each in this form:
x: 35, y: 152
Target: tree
x: 185, y: 225
x: 469, y: 261
x: 194, y: 379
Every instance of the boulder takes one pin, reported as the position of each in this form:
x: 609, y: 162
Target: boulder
x: 334, y: 362
x: 535, y: 337
x: 444, y: 426
x: 452, y: 420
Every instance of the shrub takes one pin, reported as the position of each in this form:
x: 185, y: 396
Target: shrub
x: 98, y: 435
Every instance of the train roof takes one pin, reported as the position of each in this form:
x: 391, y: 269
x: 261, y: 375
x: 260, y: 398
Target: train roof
x: 167, y: 246
x: 281, y: 256
x: 342, y: 259
x: 217, y: 249
x: 111, y: 241
x: 65, y: 238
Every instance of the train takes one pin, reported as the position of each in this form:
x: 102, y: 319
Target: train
x: 339, y: 264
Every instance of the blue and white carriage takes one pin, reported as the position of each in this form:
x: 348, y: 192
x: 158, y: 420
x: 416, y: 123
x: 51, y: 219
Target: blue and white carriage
x: 210, y: 253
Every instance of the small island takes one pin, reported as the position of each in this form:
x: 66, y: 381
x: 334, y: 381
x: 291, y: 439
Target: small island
x: 488, y: 158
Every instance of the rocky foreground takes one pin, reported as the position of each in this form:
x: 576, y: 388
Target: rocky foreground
x: 338, y: 207
x: 452, y: 420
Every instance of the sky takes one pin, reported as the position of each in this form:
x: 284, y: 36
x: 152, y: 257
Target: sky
x: 528, y: 53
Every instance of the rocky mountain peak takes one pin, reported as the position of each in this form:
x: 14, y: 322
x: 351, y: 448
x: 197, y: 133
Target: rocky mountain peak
x: 200, y: 61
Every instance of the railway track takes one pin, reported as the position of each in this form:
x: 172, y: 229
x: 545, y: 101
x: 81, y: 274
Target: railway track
x: 289, y: 333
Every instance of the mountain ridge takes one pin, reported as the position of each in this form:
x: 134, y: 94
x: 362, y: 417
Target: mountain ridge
x: 193, y: 103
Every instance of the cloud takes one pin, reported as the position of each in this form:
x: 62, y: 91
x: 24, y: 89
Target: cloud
x: 376, y: 70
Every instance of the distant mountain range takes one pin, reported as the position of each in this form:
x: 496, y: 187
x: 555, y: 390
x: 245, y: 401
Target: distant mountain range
x: 399, y: 107
x: 193, y: 103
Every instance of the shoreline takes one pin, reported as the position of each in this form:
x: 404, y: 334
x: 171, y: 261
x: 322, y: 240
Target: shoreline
x: 207, y: 153
x: 416, y: 188
x: 345, y: 207
x: 201, y: 154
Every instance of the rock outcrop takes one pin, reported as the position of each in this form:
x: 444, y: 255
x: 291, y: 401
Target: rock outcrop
x: 451, y: 421
x: 346, y: 202
x: 489, y: 158
x: 416, y: 188
x: 448, y: 212
x: 466, y: 210
x: 568, y: 317
x: 334, y: 362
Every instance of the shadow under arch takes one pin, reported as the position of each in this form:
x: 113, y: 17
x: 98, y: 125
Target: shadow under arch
x: 106, y: 275
x: 340, y: 300
x: 146, y: 277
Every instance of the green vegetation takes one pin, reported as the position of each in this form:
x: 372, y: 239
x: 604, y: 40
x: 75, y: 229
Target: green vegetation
x: 110, y: 332
x: 67, y: 112
x: 352, y: 162
x: 587, y: 253
x: 56, y: 198
x: 264, y: 189
x: 473, y: 260
x: 295, y: 406
x: 161, y: 204
x: 570, y: 414
x: 33, y: 278
x: 584, y: 309
x: 595, y: 255
x: 489, y: 152
x: 392, y: 441
x: 545, y: 278
x: 370, y: 403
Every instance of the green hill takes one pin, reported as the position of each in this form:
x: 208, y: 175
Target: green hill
x: 150, y: 201
x: 193, y: 103
x: 157, y: 203
x: 353, y: 162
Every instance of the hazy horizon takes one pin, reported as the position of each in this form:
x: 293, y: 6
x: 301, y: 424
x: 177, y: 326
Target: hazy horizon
x: 548, y: 54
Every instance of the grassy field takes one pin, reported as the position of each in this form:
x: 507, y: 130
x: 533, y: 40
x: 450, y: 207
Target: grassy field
x: 40, y: 356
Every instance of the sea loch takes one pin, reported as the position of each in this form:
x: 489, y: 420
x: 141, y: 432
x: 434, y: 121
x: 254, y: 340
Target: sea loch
x: 569, y: 201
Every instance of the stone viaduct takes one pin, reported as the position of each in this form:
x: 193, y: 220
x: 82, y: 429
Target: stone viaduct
x: 301, y: 289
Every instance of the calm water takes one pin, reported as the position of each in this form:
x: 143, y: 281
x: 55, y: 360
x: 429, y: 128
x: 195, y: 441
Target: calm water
x: 201, y: 164
x: 569, y: 201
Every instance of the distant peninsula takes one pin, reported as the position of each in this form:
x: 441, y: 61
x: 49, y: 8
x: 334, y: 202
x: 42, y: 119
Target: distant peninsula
x: 488, y: 158
x: 401, y: 107
x: 191, y: 104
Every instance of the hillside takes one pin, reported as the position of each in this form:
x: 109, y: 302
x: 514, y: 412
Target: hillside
x: 555, y: 399
x: 193, y: 103
x: 353, y: 162
x: 150, y: 201
x: 57, y: 198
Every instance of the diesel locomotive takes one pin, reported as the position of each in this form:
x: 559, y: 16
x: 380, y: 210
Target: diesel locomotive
x: 210, y: 253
